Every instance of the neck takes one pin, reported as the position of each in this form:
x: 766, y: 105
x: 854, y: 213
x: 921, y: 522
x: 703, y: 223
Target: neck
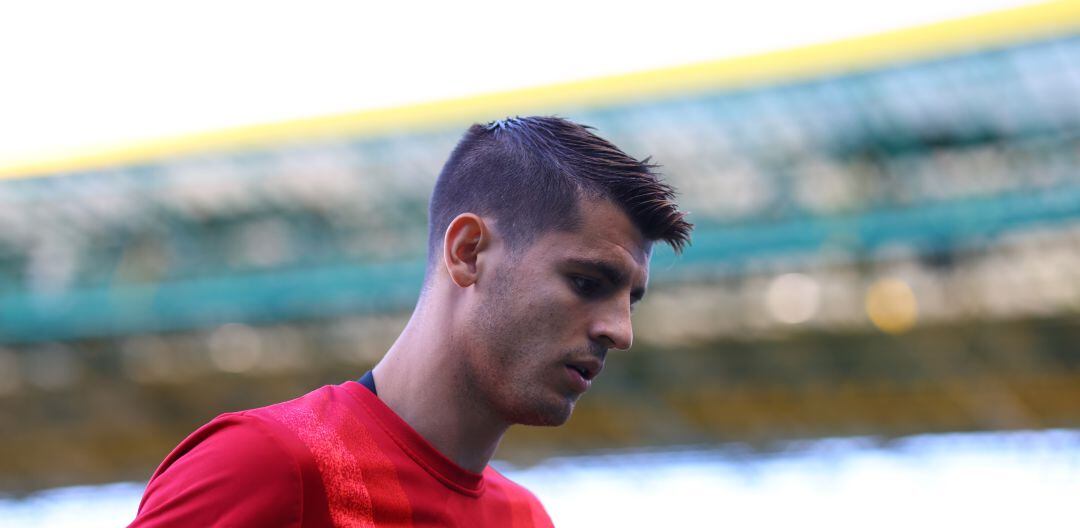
x: 421, y: 380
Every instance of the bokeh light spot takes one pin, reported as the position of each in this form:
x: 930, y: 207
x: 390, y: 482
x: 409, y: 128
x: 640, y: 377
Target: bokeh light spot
x: 891, y: 305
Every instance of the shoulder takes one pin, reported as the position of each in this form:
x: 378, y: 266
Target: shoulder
x: 243, y: 469
x: 523, y: 502
x: 232, y: 469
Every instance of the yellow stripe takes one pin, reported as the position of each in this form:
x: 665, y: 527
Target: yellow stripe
x: 1002, y: 27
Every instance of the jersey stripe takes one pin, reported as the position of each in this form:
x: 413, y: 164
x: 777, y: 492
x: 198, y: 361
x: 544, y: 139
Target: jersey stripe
x: 351, y: 476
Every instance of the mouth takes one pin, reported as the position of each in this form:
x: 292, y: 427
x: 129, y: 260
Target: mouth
x: 586, y: 368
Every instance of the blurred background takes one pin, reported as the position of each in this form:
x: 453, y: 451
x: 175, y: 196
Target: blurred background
x: 878, y: 320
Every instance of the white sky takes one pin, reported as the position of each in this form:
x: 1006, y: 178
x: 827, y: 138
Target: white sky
x: 78, y: 74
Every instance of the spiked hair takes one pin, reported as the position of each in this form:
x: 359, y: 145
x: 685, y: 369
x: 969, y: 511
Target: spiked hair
x: 530, y: 173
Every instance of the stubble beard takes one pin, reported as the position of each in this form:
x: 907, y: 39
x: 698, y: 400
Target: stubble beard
x: 502, y: 375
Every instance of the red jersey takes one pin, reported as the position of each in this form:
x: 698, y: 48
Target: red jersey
x: 337, y: 456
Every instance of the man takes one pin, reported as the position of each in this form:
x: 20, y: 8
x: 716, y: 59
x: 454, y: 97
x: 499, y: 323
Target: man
x: 539, y: 241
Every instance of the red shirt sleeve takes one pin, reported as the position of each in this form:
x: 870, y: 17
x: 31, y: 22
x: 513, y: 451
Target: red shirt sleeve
x: 234, y: 471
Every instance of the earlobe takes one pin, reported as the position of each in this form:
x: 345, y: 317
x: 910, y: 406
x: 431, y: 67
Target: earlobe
x: 465, y: 238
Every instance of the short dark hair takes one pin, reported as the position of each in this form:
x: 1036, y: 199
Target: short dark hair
x: 529, y: 173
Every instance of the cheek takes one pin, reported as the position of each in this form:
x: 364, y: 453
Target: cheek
x: 531, y: 331
x: 549, y: 330
x: 522, y: 326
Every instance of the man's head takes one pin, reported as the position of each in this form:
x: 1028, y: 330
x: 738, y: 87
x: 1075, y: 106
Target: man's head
x: 544, y: 232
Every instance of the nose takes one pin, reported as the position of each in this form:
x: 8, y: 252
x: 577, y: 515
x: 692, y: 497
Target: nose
x: 613, y: 327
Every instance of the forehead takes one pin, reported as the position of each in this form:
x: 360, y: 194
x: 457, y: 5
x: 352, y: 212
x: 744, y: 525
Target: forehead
x: 605, y: 233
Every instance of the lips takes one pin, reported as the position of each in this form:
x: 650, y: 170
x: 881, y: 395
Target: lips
x: 588, y: 368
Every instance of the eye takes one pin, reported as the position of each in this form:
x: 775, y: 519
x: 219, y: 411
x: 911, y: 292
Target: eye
x: 586, y: 286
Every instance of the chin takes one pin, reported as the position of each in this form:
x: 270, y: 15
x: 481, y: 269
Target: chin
x: 547, y: 415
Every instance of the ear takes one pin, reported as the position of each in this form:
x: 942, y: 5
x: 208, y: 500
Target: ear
x: 465, y: 238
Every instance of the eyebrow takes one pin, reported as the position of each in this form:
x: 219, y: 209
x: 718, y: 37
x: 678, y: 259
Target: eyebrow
x: 610, y: 272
